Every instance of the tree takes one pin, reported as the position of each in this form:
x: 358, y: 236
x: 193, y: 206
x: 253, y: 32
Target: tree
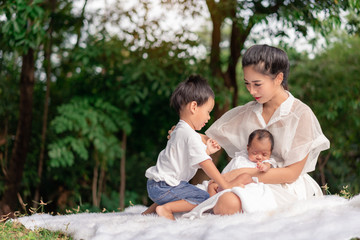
x: 61, y: 23
x: 130, y: 72
x: 243, y: 16
x: 22, y: 30
x: 9, y: 98
x: 48, y: 69
x: 88, y: 127
x: 353, y: 19
x: 329, y: 83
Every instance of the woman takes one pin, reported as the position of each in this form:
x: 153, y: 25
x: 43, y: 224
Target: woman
x: 296, y: 130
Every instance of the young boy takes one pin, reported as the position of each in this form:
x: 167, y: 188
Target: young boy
x: 168, y: 181
x: 258, y: 155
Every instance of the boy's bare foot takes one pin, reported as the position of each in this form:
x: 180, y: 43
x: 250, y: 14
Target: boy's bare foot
x: 150, y: 209
x: 164, y: 212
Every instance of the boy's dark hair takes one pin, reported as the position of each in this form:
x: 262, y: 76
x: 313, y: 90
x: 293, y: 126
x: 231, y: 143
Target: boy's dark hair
x: 260, y: 134
x: 194, y: 88
x: 268, y: 60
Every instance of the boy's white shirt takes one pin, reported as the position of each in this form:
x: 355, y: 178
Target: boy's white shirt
x: 180, y: 159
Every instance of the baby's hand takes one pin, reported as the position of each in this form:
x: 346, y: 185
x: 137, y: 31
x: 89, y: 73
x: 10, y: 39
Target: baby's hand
x: 212, y: 146
x: 263, y: 167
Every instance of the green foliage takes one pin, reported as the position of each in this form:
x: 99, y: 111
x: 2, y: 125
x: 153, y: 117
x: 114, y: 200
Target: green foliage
x: 23, y: 27
x: 353, y: 18
x: 9, y: 80
x: 111, y: 201
x: 86, y: 123
x: 330, y: 84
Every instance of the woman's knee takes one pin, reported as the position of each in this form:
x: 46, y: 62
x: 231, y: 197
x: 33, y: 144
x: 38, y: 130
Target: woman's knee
x: 227, y: 204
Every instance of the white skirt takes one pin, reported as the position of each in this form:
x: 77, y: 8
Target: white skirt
x: 258, y: 196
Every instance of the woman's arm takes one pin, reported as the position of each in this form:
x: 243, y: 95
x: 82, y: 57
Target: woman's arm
x: 287, y: 174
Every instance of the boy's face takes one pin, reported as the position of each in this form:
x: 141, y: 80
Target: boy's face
x: 202, y: 114
x: 259, y: 150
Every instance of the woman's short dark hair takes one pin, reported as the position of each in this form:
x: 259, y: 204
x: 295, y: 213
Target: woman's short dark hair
x: 194, y: 88
x: 268, y: 60
x: 261, y: 134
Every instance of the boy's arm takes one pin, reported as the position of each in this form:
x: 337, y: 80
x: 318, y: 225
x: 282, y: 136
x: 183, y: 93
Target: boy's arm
x: 210, y: 169
x: 212, y: 146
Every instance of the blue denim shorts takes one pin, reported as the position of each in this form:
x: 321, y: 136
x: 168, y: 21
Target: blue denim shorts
x: 161, y: 192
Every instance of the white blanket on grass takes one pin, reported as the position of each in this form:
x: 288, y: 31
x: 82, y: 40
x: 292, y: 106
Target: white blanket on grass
x: 330, y: 217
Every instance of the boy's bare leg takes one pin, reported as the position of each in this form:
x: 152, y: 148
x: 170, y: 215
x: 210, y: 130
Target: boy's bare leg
x: 168, y: 209
x: 151, y: 209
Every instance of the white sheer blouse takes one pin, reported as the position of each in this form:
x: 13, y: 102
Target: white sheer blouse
x: 294, y: 126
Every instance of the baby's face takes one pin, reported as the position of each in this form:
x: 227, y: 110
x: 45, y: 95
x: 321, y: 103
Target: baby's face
x: 259, y: 150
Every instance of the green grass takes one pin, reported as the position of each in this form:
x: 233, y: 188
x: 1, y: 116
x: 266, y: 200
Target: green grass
x: 15, y: 230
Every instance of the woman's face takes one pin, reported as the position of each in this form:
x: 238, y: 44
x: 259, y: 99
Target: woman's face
x: 262, y: 87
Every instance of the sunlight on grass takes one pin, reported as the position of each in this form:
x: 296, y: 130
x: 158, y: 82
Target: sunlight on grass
x: 15, y: 230
x: 345, y: 192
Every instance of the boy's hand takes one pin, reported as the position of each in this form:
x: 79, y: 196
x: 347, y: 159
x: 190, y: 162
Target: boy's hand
x: 213, y: 188
x: 170, y: 131
x: 263, y: 167
x: 212, y: 146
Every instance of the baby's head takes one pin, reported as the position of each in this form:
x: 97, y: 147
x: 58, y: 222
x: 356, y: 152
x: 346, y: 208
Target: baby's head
x: 193, y: 99
x: 260, y: 145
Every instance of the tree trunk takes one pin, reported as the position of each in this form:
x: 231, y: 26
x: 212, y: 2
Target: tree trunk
x: 123, y: 172
x: 46, y: 104
x: 217, y: 20
x: 3, y: 141
x: 101, y: 184
x: 95, y: 180
x: 9, y: 200
x: 78, y: 28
